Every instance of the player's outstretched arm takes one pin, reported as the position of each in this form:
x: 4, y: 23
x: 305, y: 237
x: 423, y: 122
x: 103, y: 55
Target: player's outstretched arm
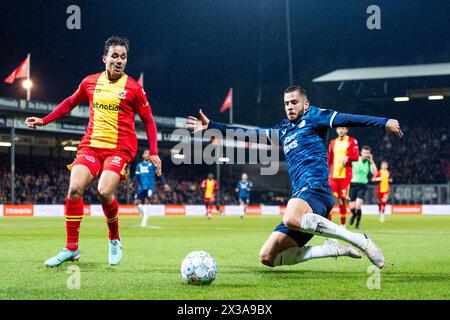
x: 61, y: 110
x: 392, y: 126
x: 203, y: 123
x: 197, y: 124
x: 145, y: 114
x: 34, y: 122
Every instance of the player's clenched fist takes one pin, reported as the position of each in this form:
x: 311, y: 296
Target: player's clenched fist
x: 33, y: 122
x: 393, y: 126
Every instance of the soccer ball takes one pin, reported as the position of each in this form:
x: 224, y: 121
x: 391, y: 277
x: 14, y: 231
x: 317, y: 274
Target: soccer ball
x: 199, y: 268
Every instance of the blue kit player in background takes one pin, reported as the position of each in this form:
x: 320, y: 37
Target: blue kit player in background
x: 145, y: 176
x: 303, y: 138
x: 243, y: 189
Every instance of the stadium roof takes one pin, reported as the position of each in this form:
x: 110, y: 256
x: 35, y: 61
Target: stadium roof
x: 409, y: 71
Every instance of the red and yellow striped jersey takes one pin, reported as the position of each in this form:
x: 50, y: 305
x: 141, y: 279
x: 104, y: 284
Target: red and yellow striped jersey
x: 338, y: 151
x: 210, y: 186
x: 384, y: 184
x: 112, y: 106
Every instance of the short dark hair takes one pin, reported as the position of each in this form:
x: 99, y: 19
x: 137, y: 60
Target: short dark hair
x: 116, y: 41
x: 365, y: 147
x: 297, y: 88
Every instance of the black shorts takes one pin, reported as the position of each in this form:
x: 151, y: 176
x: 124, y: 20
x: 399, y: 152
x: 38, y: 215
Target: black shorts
x: 358, y: 190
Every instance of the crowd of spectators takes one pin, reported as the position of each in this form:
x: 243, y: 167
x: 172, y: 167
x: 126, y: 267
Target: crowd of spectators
x: 421, y: 157
x: 48, y: 183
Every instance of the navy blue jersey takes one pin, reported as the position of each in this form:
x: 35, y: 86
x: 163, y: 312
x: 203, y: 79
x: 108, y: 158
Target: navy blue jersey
x: 304, y: 142
x: 305, y: 146
x: 145, y: 173
x: 244, y: 187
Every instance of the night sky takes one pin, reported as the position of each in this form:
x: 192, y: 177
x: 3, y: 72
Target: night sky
x: 192, y: 51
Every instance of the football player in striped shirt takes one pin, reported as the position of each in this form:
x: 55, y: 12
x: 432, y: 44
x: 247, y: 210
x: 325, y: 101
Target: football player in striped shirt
x: 342, y: 152
x: 384, y: 178
x: 209, y: 187
x: 108, y: 145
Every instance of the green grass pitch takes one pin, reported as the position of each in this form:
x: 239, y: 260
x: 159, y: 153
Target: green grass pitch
x: 416, y: 248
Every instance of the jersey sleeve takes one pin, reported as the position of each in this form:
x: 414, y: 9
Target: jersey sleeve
x: 138, y: 169
x: 68, y: 104
x: 330, y: 153
x: 353, y: 120
x: 322, y: 117
x: 354, y: 151
x: 143, y: 109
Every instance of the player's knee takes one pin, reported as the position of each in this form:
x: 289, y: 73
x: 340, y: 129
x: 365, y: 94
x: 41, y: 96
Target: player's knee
x: 266, y: 259
x: 104, y: 192
x: 75, y: 192
x: 292, y: 222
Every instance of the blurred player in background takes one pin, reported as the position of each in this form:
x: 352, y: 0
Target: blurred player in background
x: 209, y: 187
x: 302, y: 135
x: 108, y: 144
x: 145, y: 174
x: 342, y: 151
x: 243, y: 189
x: 358, y: 187
x: 385, y: 179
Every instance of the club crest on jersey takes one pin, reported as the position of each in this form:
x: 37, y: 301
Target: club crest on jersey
x: 302, y: 124
x: 283, y: 131
x: 122, y: 94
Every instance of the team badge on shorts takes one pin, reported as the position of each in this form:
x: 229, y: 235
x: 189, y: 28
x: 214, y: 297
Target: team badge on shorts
x: 90, y: 158
x: 116, y: 161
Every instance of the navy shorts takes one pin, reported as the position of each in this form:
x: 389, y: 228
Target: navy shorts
x: 320, y: 198
x: 144, y: 194
x: 244, y: 199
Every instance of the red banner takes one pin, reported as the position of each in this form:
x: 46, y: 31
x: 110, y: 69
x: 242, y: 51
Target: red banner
x: 18, y: 210
x: 253, y: 210
x: 174, y: 210
x: 406, y: 209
